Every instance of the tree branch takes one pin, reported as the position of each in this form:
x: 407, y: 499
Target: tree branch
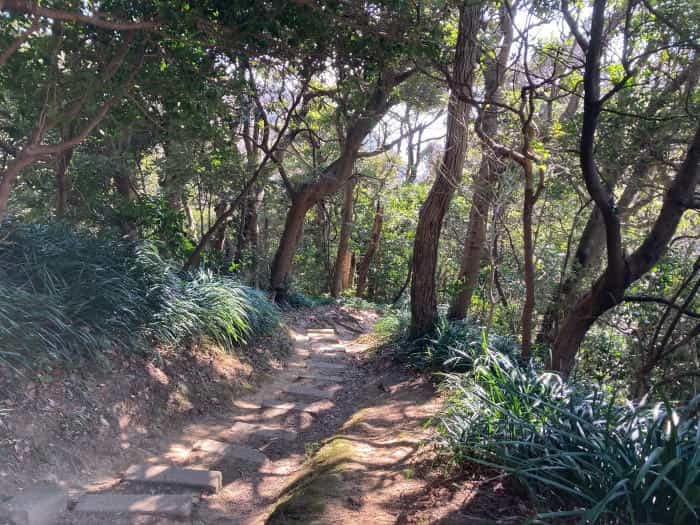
x: 21, y: 39
x: 94, y: 19
x: 659, y: 300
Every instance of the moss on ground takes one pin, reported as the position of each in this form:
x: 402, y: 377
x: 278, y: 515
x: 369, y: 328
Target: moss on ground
x: 321, y: 481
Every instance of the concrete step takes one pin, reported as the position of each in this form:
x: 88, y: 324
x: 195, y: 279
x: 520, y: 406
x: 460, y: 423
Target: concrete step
x: 297, y: 406
x: 324, y: 339
x: 170, y: 505
x: 319, y: 376
x: 311, y: 331
x: 229, y: 450
x: 186, y: 477
x: 326, y: 365
x: 40, y: 505
x: 329, y: 347
x: 318, y: 354
x: 264, y: 431
x: 310, y: 391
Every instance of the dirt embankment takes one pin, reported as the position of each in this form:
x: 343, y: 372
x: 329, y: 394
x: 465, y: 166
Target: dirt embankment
x: 76, y: 425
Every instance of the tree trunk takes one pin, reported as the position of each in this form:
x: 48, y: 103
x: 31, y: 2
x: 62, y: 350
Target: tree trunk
x: 365, y: 263
x: 127, y: 225
x: 529, y: 263
x: 609, y: 289
x: 284, y: 256
x: 14, y: 168
x: 448, y: 178
x: 62, y: 183
x: 489, y: 170
x: 342, y: 260
x: 589, y: 251
x: 476, y: 235
x: 331, y: 180
x: 218, y: 240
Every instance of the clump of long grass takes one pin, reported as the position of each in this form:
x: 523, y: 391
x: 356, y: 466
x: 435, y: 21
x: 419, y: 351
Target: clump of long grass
x: 67, y: 295
x: 581, y: 454
x: 211, y: 307
x: 452, y: 346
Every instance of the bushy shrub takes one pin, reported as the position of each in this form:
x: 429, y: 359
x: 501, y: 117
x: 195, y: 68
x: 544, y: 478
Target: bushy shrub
x: 393, y: 323
x: 67, y: 294
x: 573, y: 446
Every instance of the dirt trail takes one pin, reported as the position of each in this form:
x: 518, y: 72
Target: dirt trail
x: 334, y: 438
x: 261, y: 444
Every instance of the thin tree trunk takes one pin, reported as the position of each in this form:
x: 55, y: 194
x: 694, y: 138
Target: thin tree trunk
x: 448, y: 178
x: 372, y: 246
x: 219, y: 238
x: 342, y: 260
x: 62, y: 183
x: 529, y: 263
x: 489, y: 170
x: 127, y: 225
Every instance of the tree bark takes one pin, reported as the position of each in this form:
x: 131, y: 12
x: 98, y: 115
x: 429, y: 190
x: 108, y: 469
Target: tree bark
x: 8, y: 177
x: 342, y: 261
x: 127, y: 225
x: 331, y: 180
x: 489, y: 170
x: 608, y: 290
x: 372, y: 246
x: 62, y: 182
x: 448, y: 177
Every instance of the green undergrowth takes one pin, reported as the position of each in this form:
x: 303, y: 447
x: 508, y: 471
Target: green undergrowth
x: 68, y: 296
x: 583, y: 452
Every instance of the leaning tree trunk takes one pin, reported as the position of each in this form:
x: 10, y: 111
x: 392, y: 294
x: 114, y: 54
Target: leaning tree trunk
x: 448, y: 178
x: 476, y: 236
x: 372, y: 246
x: 341, y: 268
x: 608, y: 290
x: 8, y: 177
x: 330, y: 180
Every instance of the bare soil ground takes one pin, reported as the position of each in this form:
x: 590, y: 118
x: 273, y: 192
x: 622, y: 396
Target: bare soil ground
x: 78, y: 426
x: 364, y: 457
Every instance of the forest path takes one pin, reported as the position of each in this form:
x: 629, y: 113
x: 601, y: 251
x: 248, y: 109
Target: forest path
x: 235, y: 467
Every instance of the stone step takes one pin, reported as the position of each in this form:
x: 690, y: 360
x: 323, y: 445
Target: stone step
x: 264, y: 431
x: 325, y: 339
x: 311, y: 408
x: 171, y: 505
x: 318, y: 354
x: 329, y: 347
x: 310, y: 331
x: 229, y: 450
x: 40, y: 505
x: 320, y: 376
x: 187, y: 477
x: 326, y: 365
x: 309, y: 391
x: 298, y: 363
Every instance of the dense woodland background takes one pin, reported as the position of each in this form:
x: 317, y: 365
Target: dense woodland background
x: 517, y: 173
